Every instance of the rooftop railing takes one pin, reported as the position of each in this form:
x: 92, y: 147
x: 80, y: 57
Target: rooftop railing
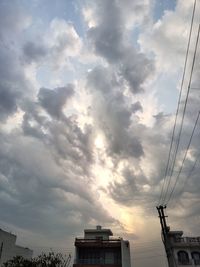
x: 85, y: 240
x: 184, y: 262
x: 99, y: 261
x: 187, y: 240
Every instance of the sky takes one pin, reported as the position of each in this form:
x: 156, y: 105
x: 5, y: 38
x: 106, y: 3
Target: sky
x: 88, y: 96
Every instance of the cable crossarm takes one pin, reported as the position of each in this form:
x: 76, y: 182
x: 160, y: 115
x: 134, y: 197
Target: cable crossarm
x: 183, y: 115
x: 178, y: 107
x: 184, y: 158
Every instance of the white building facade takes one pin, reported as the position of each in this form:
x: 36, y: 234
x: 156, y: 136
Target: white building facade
x: 186, y: 250
x: 9, y: 249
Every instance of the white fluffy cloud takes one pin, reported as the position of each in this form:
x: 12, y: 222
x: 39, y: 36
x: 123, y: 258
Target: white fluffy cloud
x: 167, y: 38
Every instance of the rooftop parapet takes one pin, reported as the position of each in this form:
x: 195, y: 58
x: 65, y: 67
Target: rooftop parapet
x: 111, y: 242
x: 191, y: 241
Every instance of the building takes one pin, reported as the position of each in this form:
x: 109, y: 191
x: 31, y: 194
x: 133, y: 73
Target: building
x: 97, y: 248
x: 186, y: 250
x: 9, y: 249
x: 181, y: 251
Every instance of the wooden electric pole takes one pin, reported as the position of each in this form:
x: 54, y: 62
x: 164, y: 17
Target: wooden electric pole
x: 165, y: 236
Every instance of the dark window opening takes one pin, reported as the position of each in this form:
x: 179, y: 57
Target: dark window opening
x: 183, y: 258
x: 196, y: 257
x: 99, y: 256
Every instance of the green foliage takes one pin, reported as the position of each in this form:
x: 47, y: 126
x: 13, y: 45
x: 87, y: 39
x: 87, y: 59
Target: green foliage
x: 43, y: 260
x: 19, y: 261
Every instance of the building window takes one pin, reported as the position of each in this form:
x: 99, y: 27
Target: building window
x: 196, y: 257
x: 99, y: 256
x: 99, y: 238
x: 183, y: 257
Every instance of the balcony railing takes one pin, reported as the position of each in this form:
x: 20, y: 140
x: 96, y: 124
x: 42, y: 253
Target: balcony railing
x: 184, y: 262
x: 84, y: 240
x: 99, y: 261
x: 187, y: 240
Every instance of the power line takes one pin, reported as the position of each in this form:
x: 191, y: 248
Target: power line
x: 180, y: 95
x: 184, y: 158
x: 183, y: 115
x: 190, y: 173
x: 182, y: 120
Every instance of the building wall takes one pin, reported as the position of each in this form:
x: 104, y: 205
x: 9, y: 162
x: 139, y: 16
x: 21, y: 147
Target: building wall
x: 189, y: 245
x: 189, y: 251
x: 125, y: 251
x: 98, y: 232
x: 104, y: 236
x: 8, y: 248
x: 7, y: 241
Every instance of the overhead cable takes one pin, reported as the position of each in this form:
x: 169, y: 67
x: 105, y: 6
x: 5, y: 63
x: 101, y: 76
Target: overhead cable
x: 183, y: 115
x: 177, y: 111
x: 184, y: 158
x: 190, y: 173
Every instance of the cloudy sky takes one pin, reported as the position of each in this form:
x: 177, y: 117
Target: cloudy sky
x: 88, y: 94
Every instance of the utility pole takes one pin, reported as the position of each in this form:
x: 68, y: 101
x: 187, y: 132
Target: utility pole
x: 1, y: 250
x: 165, y: 236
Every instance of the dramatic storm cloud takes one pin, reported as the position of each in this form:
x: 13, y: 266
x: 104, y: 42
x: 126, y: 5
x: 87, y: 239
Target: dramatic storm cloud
x: 88, y: 96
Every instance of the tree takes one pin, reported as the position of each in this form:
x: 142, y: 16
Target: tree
x: 43, y: 260
x: 20, y: 262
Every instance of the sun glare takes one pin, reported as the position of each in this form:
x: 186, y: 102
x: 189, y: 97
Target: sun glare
x: 99, y: 142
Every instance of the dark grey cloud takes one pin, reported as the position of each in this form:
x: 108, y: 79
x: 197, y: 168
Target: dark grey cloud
x: 135, y: 70
x: 109, y: 39
x: 136, y: 107
x: 54, y: 100
x: 34, y: 52
x: 144, y: 188
x: 107, y: 36
x: 113, y: 114
x: 7, y: 102
x: 125, y: 192
x: 45, y: 177
x: 13, y: 84
x: 133, y: 190
x: 67, y: 140
x: 64, y: 135
x: 38, y: 183
x: 103, y: 79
